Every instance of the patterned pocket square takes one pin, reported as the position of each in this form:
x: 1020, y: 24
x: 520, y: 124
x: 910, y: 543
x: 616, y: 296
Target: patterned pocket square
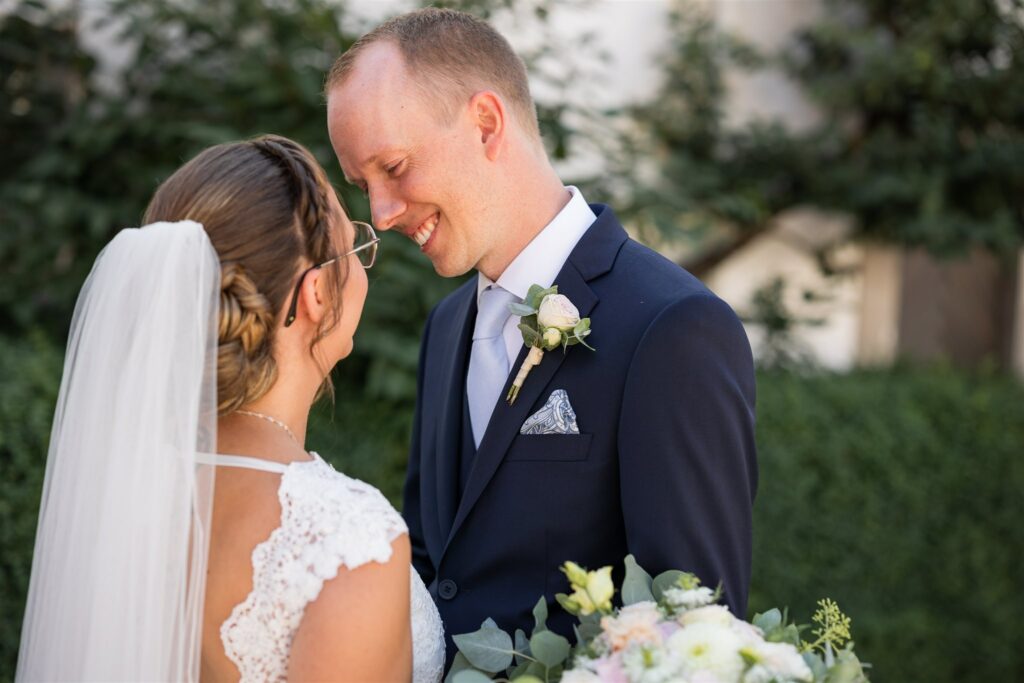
x: 556, y: 417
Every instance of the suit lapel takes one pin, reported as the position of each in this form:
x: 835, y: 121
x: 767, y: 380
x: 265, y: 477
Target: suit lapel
x: 593, y: 257
x: 449, y: 431
x: 506, y: 420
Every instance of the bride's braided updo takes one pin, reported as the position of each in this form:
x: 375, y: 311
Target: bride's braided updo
x: 265, y: 205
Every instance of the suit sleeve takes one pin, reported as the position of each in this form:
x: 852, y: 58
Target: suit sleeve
x: 411, y: 496
x: 688, y: 465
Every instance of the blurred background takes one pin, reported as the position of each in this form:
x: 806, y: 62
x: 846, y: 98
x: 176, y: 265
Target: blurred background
x: 847, y: 174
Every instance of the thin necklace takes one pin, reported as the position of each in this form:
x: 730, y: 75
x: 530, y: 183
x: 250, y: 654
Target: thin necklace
x: 272, y: 420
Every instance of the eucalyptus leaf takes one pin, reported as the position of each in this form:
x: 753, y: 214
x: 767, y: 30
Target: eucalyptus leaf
x: 580, y: 341
x: 518, y: 672
x: 588, y: 631
x: 531, y: 337
x: 471, y: 676
x: 526, y: 678
x: 522, y: 646
x: 521, y: 309
x: 540, y: 616
x: 549, y: 648
x: 784, y: 634
x: 459, y: 663
x: 554, y: 674
x: 636, y: 587
x: 664, y: 581
x: 489, y: 649
x: 533, y: 296
x: 816, y: 665
x: 537, y: 669
x: 847, y: 669
x: 767, y: 621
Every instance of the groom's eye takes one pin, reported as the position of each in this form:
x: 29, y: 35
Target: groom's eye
x: 393, y: 169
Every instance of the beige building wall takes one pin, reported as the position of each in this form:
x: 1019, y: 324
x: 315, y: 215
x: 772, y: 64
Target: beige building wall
x: 878, y: 335
x: 768, y: 94
x: 1017, y: 315
x: 787, y: 251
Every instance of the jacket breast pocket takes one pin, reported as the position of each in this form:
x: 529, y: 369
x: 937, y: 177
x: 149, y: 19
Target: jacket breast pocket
x: 549, y: 448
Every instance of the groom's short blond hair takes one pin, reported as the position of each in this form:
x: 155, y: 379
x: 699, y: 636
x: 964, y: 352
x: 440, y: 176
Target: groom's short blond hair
x: 451, y: 55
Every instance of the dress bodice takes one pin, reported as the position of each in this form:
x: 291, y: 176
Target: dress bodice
x: 328, y: 521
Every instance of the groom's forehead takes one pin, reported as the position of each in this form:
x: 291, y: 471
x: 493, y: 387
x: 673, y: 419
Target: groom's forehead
x: 379, y: 69
x: 378, y: 92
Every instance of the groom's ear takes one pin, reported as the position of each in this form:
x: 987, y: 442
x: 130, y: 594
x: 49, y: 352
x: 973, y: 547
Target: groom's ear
x: 491, y: 120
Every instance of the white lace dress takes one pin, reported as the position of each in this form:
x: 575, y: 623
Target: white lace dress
x: 328, y: 520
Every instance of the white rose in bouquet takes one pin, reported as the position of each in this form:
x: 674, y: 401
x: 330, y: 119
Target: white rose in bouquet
x: 775, y: 662
x: 580, y: 676
x: 711, y: 614
x: 710, y: 647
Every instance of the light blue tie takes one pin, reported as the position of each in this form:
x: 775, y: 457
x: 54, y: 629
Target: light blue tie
x: 488, y: 361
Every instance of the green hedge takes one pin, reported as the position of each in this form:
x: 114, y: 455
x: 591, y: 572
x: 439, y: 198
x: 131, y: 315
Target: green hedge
x: 895, y: 492
x: 898, y: 493
x: 29, y: 378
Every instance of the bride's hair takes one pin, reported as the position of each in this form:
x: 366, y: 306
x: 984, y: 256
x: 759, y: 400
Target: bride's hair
x: 264, y: 204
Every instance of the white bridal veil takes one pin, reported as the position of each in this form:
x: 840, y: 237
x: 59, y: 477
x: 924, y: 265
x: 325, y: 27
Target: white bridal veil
x: 118, y: 573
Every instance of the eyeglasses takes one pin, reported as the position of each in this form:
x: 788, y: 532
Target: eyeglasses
x: 365, y: 249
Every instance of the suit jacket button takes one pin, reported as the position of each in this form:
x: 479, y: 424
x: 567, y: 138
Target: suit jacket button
x: 447, y: 589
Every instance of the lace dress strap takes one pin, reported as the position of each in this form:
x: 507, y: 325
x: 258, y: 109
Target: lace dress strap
x: 242, y: 461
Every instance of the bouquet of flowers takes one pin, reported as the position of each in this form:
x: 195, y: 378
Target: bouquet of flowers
x: 669, y: 629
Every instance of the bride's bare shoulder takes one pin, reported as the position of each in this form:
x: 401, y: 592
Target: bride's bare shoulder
x: 358, y: 627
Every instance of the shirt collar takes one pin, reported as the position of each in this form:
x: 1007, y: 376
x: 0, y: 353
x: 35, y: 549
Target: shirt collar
x: 541, y: 260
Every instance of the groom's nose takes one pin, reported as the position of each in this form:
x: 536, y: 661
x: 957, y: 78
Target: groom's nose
x: 385, y: 207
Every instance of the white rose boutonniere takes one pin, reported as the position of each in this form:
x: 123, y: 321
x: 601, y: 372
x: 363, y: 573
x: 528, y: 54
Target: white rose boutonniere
x: 547, y: 320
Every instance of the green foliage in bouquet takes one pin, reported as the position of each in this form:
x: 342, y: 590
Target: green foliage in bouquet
x: 667, y: 629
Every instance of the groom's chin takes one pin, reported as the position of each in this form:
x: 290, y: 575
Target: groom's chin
x: 450, y: 270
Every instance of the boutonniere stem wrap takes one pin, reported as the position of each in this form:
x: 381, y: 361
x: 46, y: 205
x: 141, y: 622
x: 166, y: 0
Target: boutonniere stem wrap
x: 547, y: 320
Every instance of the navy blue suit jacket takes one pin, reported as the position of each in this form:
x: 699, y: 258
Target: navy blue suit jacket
x: 664, y: 466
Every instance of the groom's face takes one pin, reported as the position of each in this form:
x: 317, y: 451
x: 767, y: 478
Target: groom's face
x: 425, y: 178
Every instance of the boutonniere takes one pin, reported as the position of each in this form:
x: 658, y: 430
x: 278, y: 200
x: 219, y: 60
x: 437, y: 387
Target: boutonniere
x: 547, y: 320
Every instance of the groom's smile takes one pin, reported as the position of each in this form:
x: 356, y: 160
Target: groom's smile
x: 425, y: 231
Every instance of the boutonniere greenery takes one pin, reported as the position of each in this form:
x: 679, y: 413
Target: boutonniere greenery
x: 547, y: 320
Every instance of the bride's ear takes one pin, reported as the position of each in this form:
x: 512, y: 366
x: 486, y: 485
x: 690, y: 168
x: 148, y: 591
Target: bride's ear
x: 312, y: 298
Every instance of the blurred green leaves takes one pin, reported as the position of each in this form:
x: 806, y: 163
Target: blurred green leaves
x: 920, y: 139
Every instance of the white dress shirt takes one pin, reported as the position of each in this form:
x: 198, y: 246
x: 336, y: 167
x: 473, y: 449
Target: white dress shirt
x: 540, y: 262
